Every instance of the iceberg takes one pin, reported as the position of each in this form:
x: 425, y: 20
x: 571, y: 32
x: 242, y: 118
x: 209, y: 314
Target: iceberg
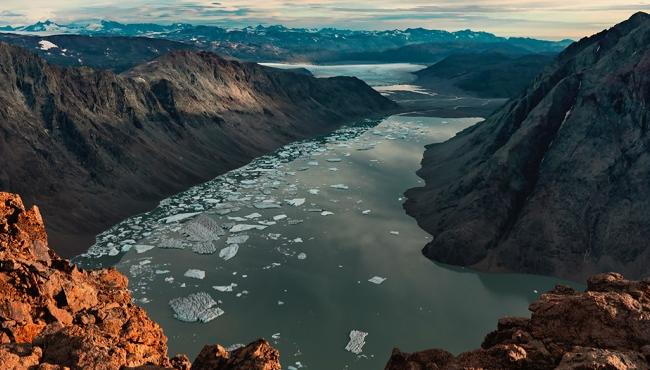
x: 195, y: 274
x: 141, y: 248
x: 179, y: 217
x: 225, y: 288
x: 195, y: 307
x: 245, y: 227
x: 357, y: 341
x: 204, y: 247
x: 229, y: 252
x: 266, y: 205
x: 296, y: 202
x: 377, y: 280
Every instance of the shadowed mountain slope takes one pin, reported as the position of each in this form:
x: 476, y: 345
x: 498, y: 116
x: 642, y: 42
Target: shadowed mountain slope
x: 93, y: 147
x: 558, y: 181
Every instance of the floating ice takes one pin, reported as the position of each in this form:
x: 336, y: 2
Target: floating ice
x: 377, y: 280
x: 179, y: 217
x: 340, y: 187
x: 357, y: 341
x: 276, y: 336
x: 302, y: 256
x: 314, y: 191
x: 195, y: 274
x: 274, y: 236
x: 297, y: 240
x: 279, y: 217
x: 229, y: 252
x: 171, y: 243
x: 326, y: 213
x: 253, y: 215
x: 237, y: 239
x: 225, y: 288
x: 312, y: 163
x: 366, y: 212
x: 113, y: 252
x: 296, y: 202
x: 333, y: 160
x: 195, y: 307
x: 204, y: 247
x: 394, y: 232
x: 266, y: 205
x: 244, y: 227
x: 238, y: 219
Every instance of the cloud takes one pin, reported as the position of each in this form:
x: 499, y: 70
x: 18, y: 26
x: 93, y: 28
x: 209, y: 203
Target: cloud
x: 10, y: 14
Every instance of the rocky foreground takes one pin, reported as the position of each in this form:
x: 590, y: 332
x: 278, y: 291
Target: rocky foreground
x: 56, y: 316
x: 557, y: 182
x: 605, y: 327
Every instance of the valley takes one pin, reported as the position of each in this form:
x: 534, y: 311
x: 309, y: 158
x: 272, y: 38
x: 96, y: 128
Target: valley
x: 292, y: 197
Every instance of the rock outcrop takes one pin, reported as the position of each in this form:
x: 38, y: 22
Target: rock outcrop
x: 558, y: 181
x: 92, y: 147
x: 55, y: 316
x: 605, y: 327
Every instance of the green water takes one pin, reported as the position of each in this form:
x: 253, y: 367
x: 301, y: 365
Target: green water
x: 307, y: 306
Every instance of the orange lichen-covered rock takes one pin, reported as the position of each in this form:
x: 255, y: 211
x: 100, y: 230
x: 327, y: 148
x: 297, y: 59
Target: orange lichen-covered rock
x: 605, y: 327
x: 56, y: 316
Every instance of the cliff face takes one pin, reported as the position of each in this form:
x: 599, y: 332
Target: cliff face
x: 53, y: 315
x: 92, y: 147
x: 558, y: 181
x: 605, y: 327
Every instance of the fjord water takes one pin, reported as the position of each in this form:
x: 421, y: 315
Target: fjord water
x: 307, y: 288
x: 372, y: 74
x: 326, y: 216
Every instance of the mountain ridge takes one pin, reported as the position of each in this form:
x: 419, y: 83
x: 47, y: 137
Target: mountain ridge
x: 93, y: 146
x: 552, y: 182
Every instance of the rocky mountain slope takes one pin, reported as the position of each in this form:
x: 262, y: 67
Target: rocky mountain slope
x: 486, y: 75
x: 558, y: 181
x: 605, y: 327
x: 55, y: 316
x: 115, y: 53
x: 92, y: 147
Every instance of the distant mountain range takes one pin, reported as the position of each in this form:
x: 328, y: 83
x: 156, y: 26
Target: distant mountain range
x: 279, y: 43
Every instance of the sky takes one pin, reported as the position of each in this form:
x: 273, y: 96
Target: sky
x: 547, y: 19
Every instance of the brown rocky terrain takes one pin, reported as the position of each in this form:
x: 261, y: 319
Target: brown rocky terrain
x: 56, y: 316
x: 556, y: 182
x: 92, y: 147
x: 605, y: 327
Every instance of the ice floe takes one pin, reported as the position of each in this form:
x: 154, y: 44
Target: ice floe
x: 195, y: 307
x: 179, y: 217
x: 357, y: 341
x: 377, y: 280
x: 195, y: 274
x: 245, y: 227
x: 296, y: 202
x: 229, y: 252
